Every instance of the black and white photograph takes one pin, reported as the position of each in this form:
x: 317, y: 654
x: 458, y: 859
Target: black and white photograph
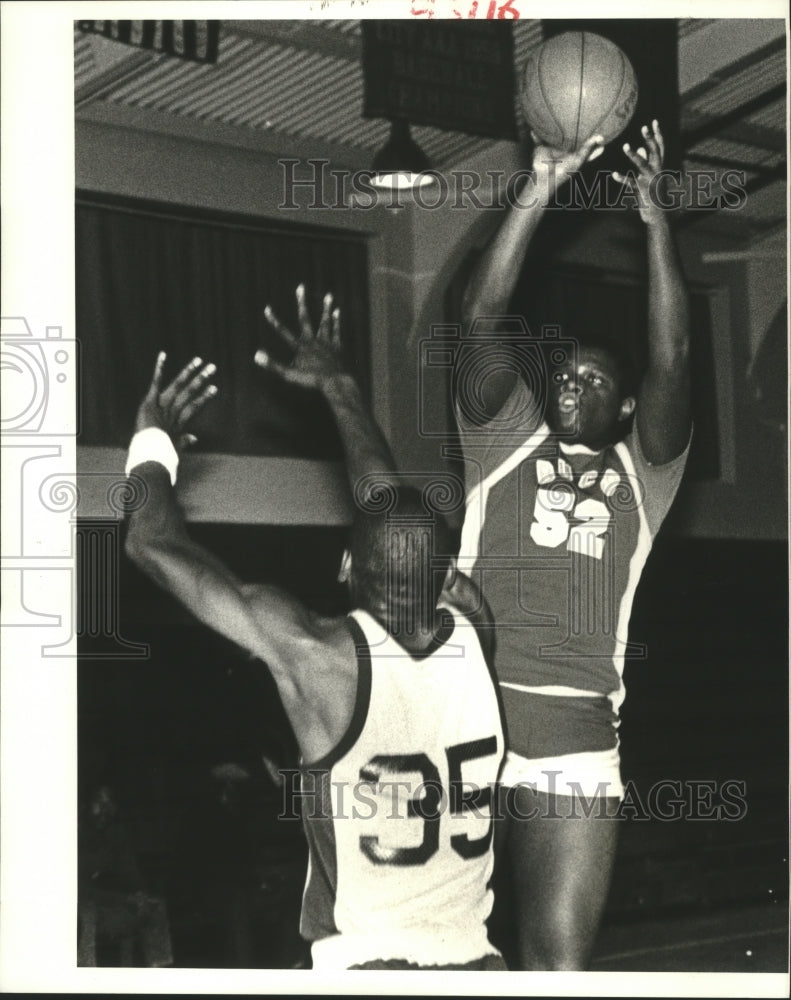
x: 395, y: 498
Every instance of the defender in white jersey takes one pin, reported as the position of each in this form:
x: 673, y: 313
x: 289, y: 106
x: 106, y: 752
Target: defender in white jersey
x: 394, y: 709
x: 562, y: 509
x: 399, y: 816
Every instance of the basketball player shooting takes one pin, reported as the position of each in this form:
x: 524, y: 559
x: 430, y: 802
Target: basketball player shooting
x: 579, y: 504
x: 393, y: 707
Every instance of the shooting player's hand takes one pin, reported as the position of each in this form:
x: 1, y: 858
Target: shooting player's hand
x: 554, y: 166
x: 171, y: 408
x: 316, y: 355
x: 647, y: 161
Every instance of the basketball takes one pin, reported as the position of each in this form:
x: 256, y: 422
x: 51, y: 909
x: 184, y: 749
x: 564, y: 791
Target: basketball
x: 576, y: 85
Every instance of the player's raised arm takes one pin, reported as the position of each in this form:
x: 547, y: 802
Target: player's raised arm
x: 263, y: 620
x: 494, y: 279
x: 664, y: 419
x: 496, y: 273
x: 316, y: 364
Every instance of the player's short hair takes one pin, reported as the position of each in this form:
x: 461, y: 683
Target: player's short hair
x: 625, y: 367
x: 400, y: 554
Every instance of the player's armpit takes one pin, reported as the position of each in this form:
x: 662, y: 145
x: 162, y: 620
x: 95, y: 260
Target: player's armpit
x: 489, y: 402
x: 505, y: 397
x: 314, y: 663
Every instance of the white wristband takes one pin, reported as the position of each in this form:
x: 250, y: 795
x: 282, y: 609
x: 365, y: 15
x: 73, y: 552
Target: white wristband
x: 153, y: 445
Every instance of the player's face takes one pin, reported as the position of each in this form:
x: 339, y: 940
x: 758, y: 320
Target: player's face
x: 585, y: 404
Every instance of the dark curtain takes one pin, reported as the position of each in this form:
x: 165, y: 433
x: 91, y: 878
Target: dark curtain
x: 153, y: 278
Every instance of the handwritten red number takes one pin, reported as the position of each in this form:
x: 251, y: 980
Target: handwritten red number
x: 507, y: 8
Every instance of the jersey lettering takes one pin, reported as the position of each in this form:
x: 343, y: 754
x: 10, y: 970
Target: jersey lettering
x: 586, y: 538
x: 463, y: 798
x: 387, y: 766
x: 559, y: 519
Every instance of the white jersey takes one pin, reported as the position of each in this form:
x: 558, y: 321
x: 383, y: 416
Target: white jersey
x: 399, y: 818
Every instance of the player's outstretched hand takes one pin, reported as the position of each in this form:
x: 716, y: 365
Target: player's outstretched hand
x: 647, y: 161
x: 171, y: 408
x: 554, y: 166
x: 316, y: 354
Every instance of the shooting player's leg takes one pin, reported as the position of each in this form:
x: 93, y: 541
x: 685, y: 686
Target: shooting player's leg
x: 561, y: 862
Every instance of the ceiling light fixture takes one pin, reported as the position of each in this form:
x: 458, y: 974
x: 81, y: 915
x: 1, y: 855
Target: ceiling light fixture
x: 401, y: 163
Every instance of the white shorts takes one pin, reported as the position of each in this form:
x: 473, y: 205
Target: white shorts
x: 594, y: 775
